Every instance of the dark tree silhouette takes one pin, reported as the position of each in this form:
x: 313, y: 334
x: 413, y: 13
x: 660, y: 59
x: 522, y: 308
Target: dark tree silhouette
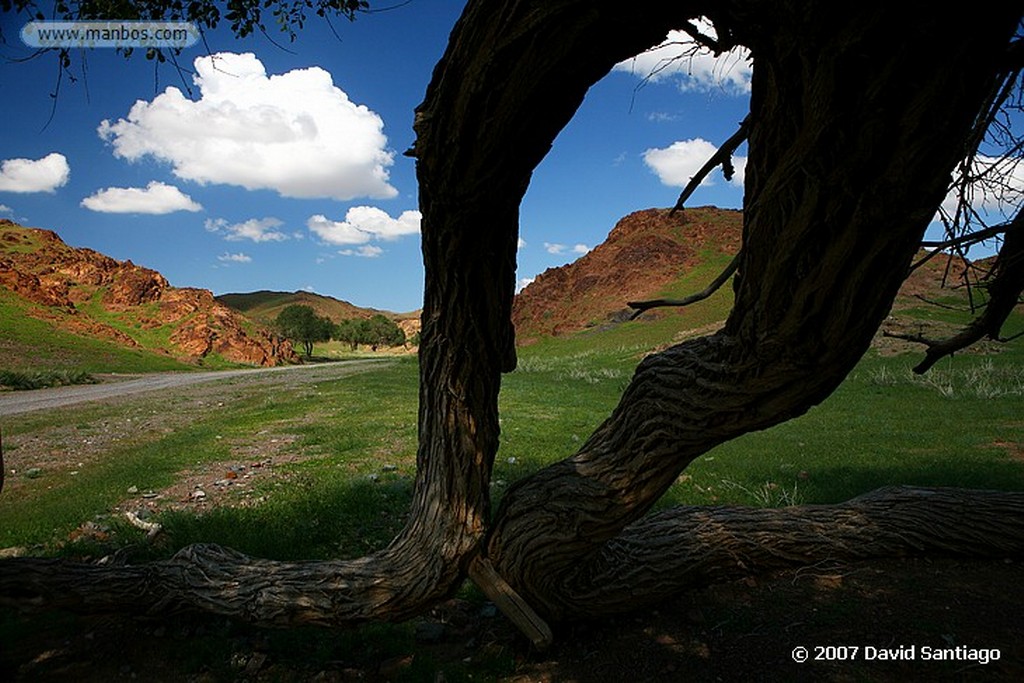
x: 857, y: 119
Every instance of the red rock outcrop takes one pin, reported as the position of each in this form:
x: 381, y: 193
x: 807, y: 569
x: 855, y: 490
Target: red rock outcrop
x: 644, y: 252
x: 69, y: 282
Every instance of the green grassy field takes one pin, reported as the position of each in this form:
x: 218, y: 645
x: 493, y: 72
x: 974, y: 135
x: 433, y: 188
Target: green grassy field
x: 344, y: 463
x: 353, y: 441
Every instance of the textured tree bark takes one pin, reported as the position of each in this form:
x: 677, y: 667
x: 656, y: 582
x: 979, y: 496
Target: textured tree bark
x: 689, y: 547
x: 513, y: 75
x: 655, y: 558
x: 856, y: 120
x: 842, y: 178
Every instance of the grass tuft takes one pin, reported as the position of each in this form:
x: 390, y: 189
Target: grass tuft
x: 38, y: 379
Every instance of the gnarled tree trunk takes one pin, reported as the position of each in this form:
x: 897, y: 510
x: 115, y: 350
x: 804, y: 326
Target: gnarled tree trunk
x: 841, y: 183
x: 856, y: 119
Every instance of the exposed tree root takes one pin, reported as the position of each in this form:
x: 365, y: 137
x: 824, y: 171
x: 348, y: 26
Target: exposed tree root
x: 665, y: 554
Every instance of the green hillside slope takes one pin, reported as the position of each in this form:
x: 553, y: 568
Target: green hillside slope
x: 266, y: 305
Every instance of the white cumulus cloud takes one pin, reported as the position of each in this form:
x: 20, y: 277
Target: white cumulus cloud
x: 365, y: 251
x: 680, y: 161
x: 364, y: 224
x: 295, y: 133
x: 235, y: 258
x: 679, y: 59
x: 523, y: 282
x: 556, y: 249
x: 39, y: 175
x: 1002, y: 197
x: 155, y: 198
x: 255, y: 229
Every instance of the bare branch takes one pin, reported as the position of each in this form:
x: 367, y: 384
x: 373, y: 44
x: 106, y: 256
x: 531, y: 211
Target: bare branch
x: 722, y: 157
x: 967, y: 240
x: 715, y: 285
x: 939, y: 247
x: 704, y: 39
x: 1004, y: 289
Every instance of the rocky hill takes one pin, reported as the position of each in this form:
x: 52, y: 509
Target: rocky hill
x: 92, y: 295
x: 644, y: 255
x: 650, y: 255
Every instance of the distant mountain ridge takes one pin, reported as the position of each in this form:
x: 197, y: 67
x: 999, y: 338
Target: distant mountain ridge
x: 92, y: 295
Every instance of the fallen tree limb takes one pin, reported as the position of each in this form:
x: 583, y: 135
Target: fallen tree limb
x: 690, y: 547
x: 662, y: 555
x: 216, y: 580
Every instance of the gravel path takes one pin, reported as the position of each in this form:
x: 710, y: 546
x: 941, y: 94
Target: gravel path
x: 15, y: 402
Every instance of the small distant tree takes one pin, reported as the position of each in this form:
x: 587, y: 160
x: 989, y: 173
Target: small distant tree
x: 302, y: 325
x: 375, y: 332
x: 350, y: 331
x: 382, y: 331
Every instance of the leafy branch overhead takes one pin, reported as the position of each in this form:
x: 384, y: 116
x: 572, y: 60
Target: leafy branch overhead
x: 244, y: 16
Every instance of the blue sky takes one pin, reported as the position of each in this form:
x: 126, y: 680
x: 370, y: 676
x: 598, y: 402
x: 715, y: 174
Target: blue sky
x: 338, y: 216
x: 270, y: 168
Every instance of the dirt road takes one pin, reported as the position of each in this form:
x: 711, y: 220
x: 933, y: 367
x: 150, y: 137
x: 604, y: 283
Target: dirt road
x: 15, y: 402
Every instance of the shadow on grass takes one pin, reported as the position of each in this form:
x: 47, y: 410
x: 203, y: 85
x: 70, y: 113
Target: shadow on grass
x: 744, y: 630
x: 312, y: 519
x: 763, y: 484
x: 322, y: 514
x: 837, y: 483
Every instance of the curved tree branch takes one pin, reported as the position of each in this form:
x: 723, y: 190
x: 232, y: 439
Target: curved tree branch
x: 722, y: 157
x: 715, y: 285
x: 835, y: 208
